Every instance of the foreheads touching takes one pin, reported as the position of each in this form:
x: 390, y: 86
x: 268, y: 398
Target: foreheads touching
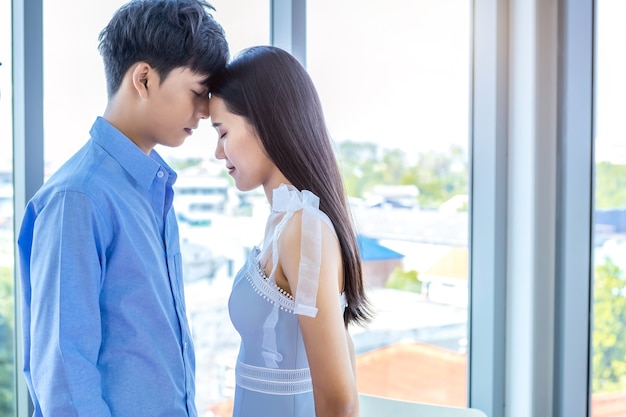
x: 166, y: 34
x: 273, y: 92
x: 269, y: 87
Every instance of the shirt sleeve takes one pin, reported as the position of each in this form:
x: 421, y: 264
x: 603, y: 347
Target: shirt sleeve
x: 66, y: 268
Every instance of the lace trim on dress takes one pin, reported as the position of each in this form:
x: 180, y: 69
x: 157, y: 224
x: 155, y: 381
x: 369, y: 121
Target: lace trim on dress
x: 271, y: 292
x: 266, y: 288
x: 273, y: 381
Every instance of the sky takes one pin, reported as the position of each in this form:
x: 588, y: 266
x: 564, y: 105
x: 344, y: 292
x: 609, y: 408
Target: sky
x: 611, y: 81
x: 396, y: 75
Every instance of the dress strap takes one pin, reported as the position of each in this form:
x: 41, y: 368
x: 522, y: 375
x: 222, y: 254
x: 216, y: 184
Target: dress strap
x: 287, y: 200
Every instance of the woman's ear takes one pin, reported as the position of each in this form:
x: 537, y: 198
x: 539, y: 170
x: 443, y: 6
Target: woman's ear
x: 141, y: 77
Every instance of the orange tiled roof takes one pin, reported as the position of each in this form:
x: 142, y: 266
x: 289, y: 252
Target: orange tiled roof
x: 609, y: 405
x: 425, y: 373
x: 414, y: 371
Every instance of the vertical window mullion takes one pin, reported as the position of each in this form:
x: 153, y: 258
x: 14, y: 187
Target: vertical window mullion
x: 288, y: 27
x: 28, y: 164
x: 575, y: 202
x: 488, y: 207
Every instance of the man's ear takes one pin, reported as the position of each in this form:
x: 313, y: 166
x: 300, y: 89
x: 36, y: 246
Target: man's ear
x: 143, y: 77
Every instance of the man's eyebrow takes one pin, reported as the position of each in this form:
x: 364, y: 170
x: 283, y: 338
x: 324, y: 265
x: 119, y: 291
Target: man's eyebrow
x: 216, y: 124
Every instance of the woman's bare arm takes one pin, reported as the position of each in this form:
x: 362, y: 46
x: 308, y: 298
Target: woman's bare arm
x: 329, y: 347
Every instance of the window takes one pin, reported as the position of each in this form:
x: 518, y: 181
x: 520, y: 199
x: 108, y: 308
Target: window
x: 394, y: 83
x: 609, y: 244
x: 498, y: 370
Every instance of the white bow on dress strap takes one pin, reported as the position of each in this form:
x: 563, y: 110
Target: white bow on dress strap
x: 287, y: 200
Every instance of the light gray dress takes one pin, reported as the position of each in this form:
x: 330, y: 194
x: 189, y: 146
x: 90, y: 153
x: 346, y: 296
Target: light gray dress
x: 272, y: 372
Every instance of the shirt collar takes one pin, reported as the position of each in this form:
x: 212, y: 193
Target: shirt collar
x: 141, y: 167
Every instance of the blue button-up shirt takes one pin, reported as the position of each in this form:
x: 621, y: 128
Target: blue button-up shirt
x: 104, y: 323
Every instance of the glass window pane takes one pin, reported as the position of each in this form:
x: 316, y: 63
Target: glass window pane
x: 210, y: 212
x: 609, y: 278
x: 74, y: 84
x: 7, y: 322
x: 394, y: 82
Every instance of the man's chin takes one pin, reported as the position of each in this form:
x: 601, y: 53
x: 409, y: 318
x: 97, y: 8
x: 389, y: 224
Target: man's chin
x: 177, y: 143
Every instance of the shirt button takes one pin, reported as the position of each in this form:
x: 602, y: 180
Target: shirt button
x: 160, y: 174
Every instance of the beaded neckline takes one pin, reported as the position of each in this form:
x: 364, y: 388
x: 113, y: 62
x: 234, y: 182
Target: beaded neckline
x: 265, y: 287
x: 264, y: 276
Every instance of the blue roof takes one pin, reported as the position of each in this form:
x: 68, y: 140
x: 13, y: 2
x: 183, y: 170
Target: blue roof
x: 371, y: 250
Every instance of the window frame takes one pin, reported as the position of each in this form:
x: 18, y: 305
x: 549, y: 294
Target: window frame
x: 575, y: 210
x: 488, y: 206
x: 28, y: 165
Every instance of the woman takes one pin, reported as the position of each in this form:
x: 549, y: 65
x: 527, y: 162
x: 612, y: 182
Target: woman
x: 300, y: 289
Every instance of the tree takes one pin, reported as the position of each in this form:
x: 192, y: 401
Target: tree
x: 358, y: 162
x: 438, y: 176
x: 393, y: 167
x: 610, y: 185
x: 404, y: 280
x: 609, y: 328
x: 6, y: 342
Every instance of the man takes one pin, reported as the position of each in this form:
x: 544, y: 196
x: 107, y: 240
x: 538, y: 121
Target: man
x: 105, y: 330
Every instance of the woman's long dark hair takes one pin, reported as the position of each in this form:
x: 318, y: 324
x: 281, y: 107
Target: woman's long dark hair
x: 273, y: 92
